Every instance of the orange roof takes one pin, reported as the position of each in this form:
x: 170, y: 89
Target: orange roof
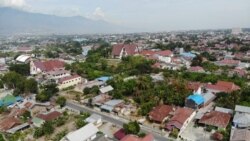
x: 215, y: 118
x: 147, y: 52
x: 9, y: 123
x: 164, y: 53
x: 50, y: 116
x: 223, y: 86
x: 160, y: 112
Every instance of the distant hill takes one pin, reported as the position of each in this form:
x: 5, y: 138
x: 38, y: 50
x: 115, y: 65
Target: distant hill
x: 14, y: 21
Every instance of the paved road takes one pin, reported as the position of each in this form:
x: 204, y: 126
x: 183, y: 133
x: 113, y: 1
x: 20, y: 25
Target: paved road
x: 115, y: 120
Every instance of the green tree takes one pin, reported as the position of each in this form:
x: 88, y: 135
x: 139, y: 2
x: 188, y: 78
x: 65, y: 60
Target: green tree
x: 61, y: 101
x: 38, y: 133
x: 48, y: 128
x: 132, y: 127
x: 31, y: 86
x: 23, y: 69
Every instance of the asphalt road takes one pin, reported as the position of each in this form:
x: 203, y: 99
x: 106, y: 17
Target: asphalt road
x: 114, y: 119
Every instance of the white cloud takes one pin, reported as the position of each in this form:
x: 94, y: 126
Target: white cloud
x: 98, y: 14
x: 13, y: 3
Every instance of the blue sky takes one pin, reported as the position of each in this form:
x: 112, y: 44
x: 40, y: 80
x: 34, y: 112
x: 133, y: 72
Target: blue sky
x: 148, y: 15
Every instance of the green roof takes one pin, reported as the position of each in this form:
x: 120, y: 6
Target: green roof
x: 37, y: 120
x: 9, y: 99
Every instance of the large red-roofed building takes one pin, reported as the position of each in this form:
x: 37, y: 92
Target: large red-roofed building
x: 37, y: 67
x: 123, y: 50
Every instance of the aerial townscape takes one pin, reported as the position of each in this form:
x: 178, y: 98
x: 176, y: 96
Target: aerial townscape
x: 190, y: 85
x: 125, y: 73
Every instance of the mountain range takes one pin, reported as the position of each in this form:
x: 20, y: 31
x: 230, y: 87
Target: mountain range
x: 13, y: 21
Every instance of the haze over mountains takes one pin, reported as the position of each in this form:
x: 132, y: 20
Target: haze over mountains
x: 14, y: 21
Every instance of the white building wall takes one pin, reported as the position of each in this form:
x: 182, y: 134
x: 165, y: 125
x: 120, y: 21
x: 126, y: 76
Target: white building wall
x: 71, y: 82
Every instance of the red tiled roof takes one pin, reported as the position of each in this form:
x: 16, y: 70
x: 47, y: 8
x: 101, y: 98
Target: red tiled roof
x: 223, y: 86
x: 156, y: 65
x: 24, y: 49
x: 194, y: 86
x: 215, y: 118
x: 196, y: 69
x: 28, y: 105
x: 229, y: 62
x: 50, y: 116
x: 148, y: 137
x: 129, y: 48
x: 147, y: 52
x: 49, y: 65
x: 240, y: 72
x: 61, y: 80
x: 160, y: 112
x: 179, y: 118
x: 9, y: 123
x: 164, y: 53
x: 16, y: 112
x: 120, y: 134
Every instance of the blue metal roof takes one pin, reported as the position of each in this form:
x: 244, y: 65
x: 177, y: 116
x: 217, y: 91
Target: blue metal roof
x: 198, y: 99
x: 19, y: 98
x: 188, y: 54
x: 104, y: 78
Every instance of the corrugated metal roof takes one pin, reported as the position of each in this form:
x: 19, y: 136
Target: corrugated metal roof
x: 198, y: 99
x: 106, y: 89
x: 244, y: 109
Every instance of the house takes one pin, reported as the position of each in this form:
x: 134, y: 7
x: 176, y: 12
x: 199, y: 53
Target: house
x: 164, y: 56
x: 10, y: 100
x: 86, y: 133
x: 49, y: 116
x: 106, y: 89
x: 222, y: 86
x: 199, y: 98
x: 23, y: 59
x: 9, y: 123
x: 68, y: 81
x: 104, y: 78
x: 95, y: 119
x: 123, y: 50
x: 194, y: 101
x: 240, y: 135
x: 224, y: 110
x: 37, y: 122
x: 239, y: 72
x: 110, y: 105
x: 57, y: 74
x: 216, y: 118
x: 160, y: 113
x: 120, y: 134
x: 242, y: 117
x: 196, y: 69
x: 37, y: 67
x: 194, y: 86
x: 228, y: 62
x: 18, y: 128
x: 24, y: 49
x: 100, y: 99
x: 16, y: 112
x: 188, y: 55
x: 148, y: 137
x: 180, y: 120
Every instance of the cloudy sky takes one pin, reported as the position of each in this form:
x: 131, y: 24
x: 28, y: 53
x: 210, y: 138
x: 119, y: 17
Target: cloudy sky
x: 150, y: 15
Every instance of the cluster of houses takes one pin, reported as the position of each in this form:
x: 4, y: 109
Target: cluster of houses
x: 55, y: 70
x: 165, y: 58
x: 38, y: 113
